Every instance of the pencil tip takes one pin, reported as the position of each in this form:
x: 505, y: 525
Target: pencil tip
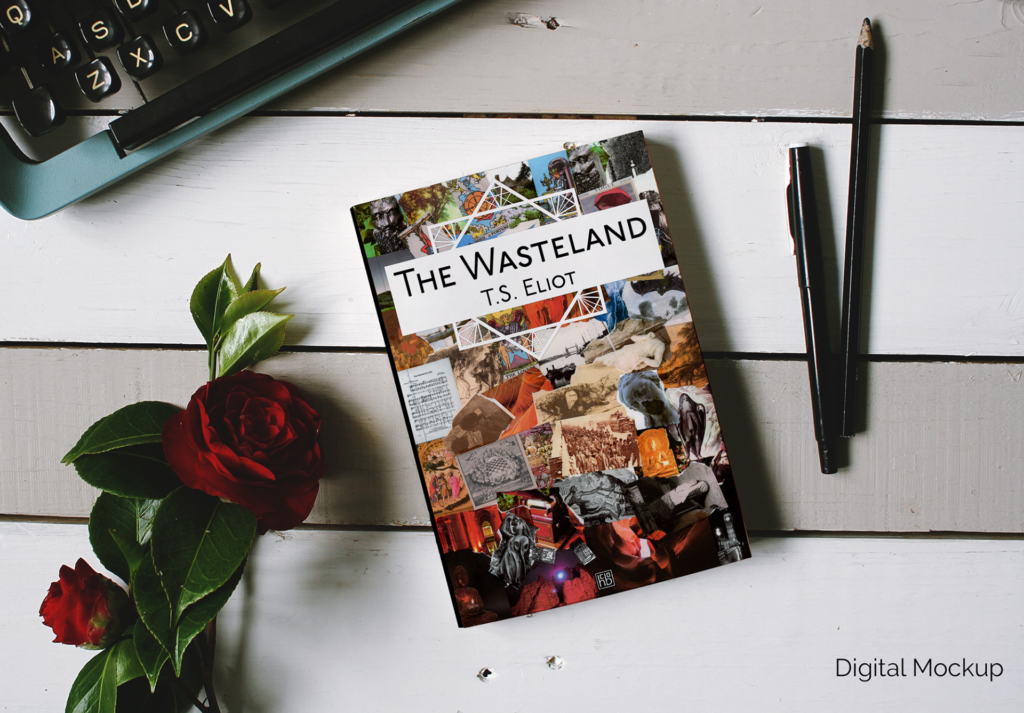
x: 865, y: 39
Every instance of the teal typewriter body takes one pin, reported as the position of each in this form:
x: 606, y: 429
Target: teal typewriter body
x: 33, y: 189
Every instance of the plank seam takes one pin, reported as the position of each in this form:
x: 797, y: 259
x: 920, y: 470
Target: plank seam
x: 703, y: 118
x: 762, y: 534
x: 156, y: 346
x: 319, y: 349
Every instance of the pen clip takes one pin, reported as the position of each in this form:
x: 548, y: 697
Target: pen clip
x: 789, y: 211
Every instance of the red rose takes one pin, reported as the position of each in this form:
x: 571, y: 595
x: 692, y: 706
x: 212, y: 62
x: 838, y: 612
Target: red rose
x: 252, y: 440
x: 84, y: 608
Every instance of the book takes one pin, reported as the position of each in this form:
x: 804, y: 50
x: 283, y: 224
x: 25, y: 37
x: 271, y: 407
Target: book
x: 552, y: 383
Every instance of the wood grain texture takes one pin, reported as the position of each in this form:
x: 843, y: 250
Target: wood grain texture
x: 944, y: 259
x: 942, y: 449
x: 783, y: 58
x: 363, y: 620
x: 373, y: 479
x: 750, y: 58
x: 945, y: 59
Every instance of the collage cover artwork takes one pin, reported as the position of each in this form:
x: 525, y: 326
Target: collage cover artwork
x: 552, y: 381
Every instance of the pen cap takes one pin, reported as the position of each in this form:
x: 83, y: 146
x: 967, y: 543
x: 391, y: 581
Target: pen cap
x: 804, y: 218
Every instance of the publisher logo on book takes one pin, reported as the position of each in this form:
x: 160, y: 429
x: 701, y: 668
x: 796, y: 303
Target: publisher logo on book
x: 866, y: 671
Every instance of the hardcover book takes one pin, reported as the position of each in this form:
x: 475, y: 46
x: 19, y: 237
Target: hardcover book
x: 552, y: 383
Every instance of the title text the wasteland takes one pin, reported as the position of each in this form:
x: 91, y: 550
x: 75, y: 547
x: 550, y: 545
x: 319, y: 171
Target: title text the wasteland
x: 548, y: 261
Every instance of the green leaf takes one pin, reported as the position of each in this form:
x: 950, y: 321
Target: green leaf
x: 95, y: 689
x: 167, y: 697
x: 252, y: 283
x: 150, y: 652
x: 155, y: 641
x: 118, y: 530
x: 248, y: 303
x: 211, y: 298
x: 251, y: 339
x: 154, y: 610
x: 197, y: 616
x: 198, y: 542
x: 133, y: 472
x: 133, y: 552
x: 126, y: 659
x: 128, y: 426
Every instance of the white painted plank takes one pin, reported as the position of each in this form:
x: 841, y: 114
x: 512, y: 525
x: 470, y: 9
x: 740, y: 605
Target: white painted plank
x: 946, y: 275
x: 363, y: 620
x: 942, y: 449
x: 944, y: 59
x: 750, y: 58
x: 49, y: 398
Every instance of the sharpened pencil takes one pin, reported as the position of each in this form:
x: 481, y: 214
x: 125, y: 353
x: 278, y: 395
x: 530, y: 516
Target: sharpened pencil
x: 849, y: 338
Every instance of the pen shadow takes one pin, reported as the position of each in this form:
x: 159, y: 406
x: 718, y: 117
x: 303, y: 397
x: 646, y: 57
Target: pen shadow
x: 744, y: 441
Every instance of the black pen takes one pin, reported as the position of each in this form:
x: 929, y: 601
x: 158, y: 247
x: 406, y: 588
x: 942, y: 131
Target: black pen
x: 849, y: 333
x: 810, y: 270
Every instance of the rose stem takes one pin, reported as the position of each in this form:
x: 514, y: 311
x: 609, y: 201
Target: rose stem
x: 191, y: 697
x: 207, y: 673
x: 211, y: 638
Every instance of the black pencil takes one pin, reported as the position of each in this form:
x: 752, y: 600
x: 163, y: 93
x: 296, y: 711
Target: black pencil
x: 849, y: 338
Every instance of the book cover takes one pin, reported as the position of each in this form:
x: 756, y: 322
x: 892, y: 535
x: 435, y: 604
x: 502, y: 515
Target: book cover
x: 552, y: 383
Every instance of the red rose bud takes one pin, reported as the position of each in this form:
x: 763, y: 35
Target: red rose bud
x: 85, y: 609
x: 252, y: 440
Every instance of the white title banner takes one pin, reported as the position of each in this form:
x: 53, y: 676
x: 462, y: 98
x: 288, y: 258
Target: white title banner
x: 519, y: 268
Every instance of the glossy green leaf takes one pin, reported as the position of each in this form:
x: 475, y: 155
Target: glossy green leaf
x: 95, y: 689
x: 133, y: 472
x: 155, y: 641
x: 167, y: 697
x: 155, y: 612
x: 197, y: 616
x: 118, y: 530
x: 132, y: 552
x: 247, y: 303
x: 127, y: 660
x: 147, y: 511
x: 198, y: 542
x: 253, y: 282
x: 251, y: 339
x: 151, y: 654
x: 211, y: 298
x: 111, y: 512
x: 128, y: 426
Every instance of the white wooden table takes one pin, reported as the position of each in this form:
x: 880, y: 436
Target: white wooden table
x: 913, y: 550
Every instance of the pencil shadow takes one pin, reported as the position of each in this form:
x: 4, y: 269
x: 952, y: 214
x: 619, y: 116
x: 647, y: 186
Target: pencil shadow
x: 744, y: 441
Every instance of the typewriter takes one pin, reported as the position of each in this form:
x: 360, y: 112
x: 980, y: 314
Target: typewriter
x: 163, y: 72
